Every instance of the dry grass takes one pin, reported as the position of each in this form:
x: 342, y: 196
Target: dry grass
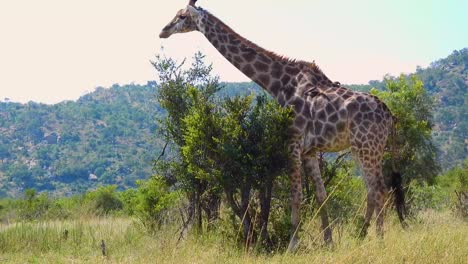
x: 434, y: 237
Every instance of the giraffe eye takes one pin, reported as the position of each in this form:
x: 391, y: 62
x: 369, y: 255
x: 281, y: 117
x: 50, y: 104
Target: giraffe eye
x: 182, y: 17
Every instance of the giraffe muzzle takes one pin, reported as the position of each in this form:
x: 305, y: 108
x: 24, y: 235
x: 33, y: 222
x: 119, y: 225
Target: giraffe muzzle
x: 164, y: 34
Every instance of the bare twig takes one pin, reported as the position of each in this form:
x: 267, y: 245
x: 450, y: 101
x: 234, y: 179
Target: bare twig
x: 163, y: 151
x: 185, y: 225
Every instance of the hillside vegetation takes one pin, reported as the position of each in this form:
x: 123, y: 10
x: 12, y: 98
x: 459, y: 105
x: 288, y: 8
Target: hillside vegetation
x: 105, y: 137
x: 447, y: 80
x: 110, y: 136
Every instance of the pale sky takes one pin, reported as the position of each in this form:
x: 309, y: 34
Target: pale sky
x: 54, y: 50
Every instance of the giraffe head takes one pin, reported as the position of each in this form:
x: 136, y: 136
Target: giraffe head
x: 184, y: 21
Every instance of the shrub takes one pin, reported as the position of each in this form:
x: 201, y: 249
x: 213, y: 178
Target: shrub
x: 450, y: 191
x: 460, y: 202
x: 347, y: 192
x: 154, y: 201
x: 423, y: 196
x: 33, y: 206
x: 129, y: 199
x: 7, y: 211
x: 104, y: 200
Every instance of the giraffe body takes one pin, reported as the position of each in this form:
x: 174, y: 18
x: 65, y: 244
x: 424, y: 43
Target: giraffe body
x: 328, y: 117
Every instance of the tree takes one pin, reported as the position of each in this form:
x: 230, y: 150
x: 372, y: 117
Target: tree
x: 200, y: 148
x: 412, y: 106
x: 236, y: 146
x: 104, y: 200
x: 183, y: 93
x: 249, y: 153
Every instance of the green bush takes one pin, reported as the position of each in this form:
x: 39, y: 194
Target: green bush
x: 450, y: 191
x: 154, y: 202
x: 347, y: 193
x: 422, y: 196
x: 456, y: 183
x: 104, y: 200
x: 7, y: 210
x: 129, y: 199
x: 33, y: 206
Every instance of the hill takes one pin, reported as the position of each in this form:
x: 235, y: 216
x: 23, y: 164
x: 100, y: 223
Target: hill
x: 447, y: 80
x: 110, y: 135
x: 105, y: 137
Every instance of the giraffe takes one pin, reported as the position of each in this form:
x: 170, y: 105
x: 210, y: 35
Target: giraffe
x: 327, y: 116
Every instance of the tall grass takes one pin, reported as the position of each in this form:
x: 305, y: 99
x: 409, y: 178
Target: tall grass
x: 433, y: 237
x: 78, y: 239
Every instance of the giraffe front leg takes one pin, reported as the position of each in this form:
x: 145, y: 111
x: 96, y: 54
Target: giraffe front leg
x: 296, y: 193
x: 312, y: 169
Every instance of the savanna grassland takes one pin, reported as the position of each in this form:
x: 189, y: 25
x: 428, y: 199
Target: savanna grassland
x: 432, y: 237
x: 80, y: 190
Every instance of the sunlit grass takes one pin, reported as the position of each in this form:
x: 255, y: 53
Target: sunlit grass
x: 433, y: 237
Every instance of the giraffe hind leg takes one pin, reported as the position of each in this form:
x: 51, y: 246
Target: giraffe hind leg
x: 312, y: 169
x: 369, y: 212
x: 380, y: 201
x: 376, y: 189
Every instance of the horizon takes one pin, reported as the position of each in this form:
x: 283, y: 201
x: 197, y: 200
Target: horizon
x: 54, y: 51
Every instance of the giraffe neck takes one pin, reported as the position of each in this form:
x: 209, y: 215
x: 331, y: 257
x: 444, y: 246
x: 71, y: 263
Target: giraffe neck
x: 283, y: 78
x: 270, y: 71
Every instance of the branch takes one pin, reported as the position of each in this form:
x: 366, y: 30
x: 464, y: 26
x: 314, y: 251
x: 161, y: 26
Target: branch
x: 335, y: 166
x: 162, y: 152
x: 185, y: 225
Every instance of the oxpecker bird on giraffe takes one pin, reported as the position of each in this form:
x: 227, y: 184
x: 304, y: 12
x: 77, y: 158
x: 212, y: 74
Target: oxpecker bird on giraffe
x: 327, y: 116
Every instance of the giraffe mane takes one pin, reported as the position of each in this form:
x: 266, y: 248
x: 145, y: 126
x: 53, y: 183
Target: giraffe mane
x: 312, y: 65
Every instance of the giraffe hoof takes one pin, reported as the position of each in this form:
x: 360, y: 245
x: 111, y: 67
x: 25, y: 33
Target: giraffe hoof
x: 362, y: 234
x: 404, y: 225
x: 328, y: 240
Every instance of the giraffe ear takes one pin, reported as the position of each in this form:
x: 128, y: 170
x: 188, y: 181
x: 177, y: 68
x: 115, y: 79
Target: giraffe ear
x: 193, y: 11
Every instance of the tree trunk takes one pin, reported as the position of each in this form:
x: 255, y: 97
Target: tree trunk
x: 265, y: 206
x: 198, y: 208
x: 211, y: 207
x: 246, y: 218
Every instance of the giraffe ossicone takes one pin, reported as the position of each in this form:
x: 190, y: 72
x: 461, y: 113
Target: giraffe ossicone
x: 327, y: 116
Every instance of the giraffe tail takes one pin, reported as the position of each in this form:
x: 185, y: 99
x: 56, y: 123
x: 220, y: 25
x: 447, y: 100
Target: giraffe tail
x: 396, y: 182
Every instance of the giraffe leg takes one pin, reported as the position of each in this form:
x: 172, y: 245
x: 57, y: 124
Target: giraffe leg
x: 380, y: 197
x: 296, y: 193
x: 312, y: 169
x: 369, y: 212
x: 376, y: 190
x: 369, y: 178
